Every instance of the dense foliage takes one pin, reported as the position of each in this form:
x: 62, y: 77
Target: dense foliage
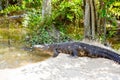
x: 65, y: 22
x: 63, y: 15
x: 115, y: 9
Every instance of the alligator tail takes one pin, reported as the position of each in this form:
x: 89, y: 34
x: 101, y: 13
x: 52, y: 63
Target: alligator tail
x: 110, y: 55
x: 105, y: 53
x: 101, y: 52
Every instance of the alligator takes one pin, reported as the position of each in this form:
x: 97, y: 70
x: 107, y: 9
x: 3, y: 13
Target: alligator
x: 80, y: 49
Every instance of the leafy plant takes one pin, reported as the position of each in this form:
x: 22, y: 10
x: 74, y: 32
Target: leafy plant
x: 11, y: 8
x: 115, y: 9
x: 40, y: 30
x: 66, y: 12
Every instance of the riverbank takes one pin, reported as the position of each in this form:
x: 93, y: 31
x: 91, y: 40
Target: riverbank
x: 65, y: 67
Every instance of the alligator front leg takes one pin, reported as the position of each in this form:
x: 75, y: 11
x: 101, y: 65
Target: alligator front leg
x: 55, y: 53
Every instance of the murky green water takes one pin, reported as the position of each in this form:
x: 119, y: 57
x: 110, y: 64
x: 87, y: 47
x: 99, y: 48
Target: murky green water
x: 11, y: 57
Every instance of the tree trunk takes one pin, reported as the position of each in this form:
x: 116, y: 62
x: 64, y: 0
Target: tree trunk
x: 87, y: 20
x: 1, y: 5
x: 46, y: 8
x: 90, y: 19
x: 93, y: 18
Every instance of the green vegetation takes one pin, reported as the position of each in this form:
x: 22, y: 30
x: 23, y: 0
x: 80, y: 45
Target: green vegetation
x: 63, y: 17
x: 64, y: 23
x: 115, y: 9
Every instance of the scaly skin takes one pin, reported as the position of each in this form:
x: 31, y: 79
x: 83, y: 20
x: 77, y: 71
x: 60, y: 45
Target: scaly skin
x: 81, y: 49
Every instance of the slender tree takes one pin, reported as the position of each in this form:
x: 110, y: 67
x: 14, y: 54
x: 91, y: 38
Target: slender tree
x: 46, y: 8
x: 1, y: 7
x: 89, y: 19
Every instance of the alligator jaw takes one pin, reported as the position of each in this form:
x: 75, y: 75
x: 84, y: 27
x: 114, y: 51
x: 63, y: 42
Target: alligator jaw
x: 38, y: 46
